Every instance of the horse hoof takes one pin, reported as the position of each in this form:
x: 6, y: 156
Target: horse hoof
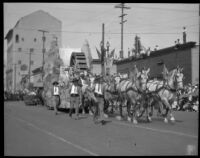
x: 90, y: 113
x: 129, y: 119
x: 165, y: 120
x: 106, y: 116
x: 135, y: 122
x: 172, y: 119
x: 149, y: 119
x: 119, y: 118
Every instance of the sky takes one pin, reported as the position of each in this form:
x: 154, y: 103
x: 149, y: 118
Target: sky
x: 155, y: 24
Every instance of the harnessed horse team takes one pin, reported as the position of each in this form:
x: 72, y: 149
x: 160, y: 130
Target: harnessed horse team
x: 137, y: 93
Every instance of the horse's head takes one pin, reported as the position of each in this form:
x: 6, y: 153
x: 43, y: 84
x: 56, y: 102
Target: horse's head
x: 92, y: 79
x: 90, y: 94
x: 142, y: 78
x: 117, y: 79
x: 112, y: 83
x: 179, y: 78
x: 171, y: 79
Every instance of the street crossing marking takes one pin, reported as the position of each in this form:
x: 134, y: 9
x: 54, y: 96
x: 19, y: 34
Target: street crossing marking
x: 55, y: 136
x: 156, y: 130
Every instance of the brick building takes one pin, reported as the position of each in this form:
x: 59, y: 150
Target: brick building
x: 24, y: 38
x: 185, y: 55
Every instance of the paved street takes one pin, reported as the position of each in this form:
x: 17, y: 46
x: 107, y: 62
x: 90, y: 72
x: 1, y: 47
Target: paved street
x: 36, y: 131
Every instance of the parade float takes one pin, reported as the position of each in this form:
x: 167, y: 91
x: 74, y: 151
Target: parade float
x: 59, y: 66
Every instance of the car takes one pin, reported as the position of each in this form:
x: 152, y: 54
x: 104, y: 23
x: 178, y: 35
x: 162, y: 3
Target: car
x: 31, y: 98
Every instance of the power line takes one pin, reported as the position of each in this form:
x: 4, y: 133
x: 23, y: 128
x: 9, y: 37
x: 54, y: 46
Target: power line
x: 165, y: 9
x: 96, y: 32
x: 146, y: 25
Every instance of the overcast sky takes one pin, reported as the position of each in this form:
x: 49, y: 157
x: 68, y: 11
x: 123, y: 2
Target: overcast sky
x: 156, y: 24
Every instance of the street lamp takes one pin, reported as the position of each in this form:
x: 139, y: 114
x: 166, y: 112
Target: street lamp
x: 102, y: 57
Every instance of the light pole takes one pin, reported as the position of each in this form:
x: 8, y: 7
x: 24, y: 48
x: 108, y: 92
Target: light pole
x: 102, y: 58
x: 108, y: 59
x: 15, y: 75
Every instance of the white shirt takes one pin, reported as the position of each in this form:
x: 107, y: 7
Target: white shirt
x: 55, y: 90
x: 98, y: 89
x: 74, y: 90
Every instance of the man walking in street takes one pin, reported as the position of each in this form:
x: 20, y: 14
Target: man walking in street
x: 56, y: 97
x: 75, y: 97
x: 99, y: 88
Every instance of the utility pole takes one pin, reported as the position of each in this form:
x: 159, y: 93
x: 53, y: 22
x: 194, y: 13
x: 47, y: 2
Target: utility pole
x: 30, y: 65
x: 102, y: 52
x: 122, y: 7
x: 15, y: 65
x: 56, y: 40
x: 43, y: 50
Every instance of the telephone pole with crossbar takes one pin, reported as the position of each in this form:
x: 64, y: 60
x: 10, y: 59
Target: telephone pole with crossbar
x: 43, y: 49
x: 122, y: 7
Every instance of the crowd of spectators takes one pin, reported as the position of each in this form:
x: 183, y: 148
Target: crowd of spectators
x: 13, y: 96
x: 188, y: 99
x: 20, y: 95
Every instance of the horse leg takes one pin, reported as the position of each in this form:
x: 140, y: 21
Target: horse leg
x: 135, y: 107
x: 171, y: 114
x: 147, y: 113
x: 105, y: 109
x: 128, y: 111
x: 120, y: 110
x: 168, y: 107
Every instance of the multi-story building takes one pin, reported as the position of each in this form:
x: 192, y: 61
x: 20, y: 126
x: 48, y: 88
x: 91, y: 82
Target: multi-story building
x: 185, y: 55
x: 25, y: 38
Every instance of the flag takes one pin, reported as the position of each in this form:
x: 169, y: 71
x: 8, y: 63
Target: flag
x: 99, y: 54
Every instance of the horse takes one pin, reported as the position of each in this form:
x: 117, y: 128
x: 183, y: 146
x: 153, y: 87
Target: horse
x: 131, y: 92
x: 136, y: 95
x: 164, y: 92
x: 110, y: 95
x: 88, y: 97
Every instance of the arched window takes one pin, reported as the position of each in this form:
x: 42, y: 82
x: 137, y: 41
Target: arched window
x: 17, y: 38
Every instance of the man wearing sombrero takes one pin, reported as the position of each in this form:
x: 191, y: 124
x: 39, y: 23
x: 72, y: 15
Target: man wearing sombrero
x: 75, y: 96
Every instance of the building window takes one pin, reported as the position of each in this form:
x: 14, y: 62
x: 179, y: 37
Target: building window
x: 31, y: 50
x: 32, y: 62
x: 22, y: 39
x: 17, y: 38
x: 19, y: 61
x: 19, y: 49
x: 35, y: 39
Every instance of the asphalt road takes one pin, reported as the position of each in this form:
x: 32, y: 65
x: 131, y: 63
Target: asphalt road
x: 36, y: 131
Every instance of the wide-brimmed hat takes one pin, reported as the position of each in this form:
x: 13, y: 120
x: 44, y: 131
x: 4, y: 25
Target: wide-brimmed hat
x: 81, y: 74
x: 55, y: 83
x: 98, y: 77
x: 75, y: 79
